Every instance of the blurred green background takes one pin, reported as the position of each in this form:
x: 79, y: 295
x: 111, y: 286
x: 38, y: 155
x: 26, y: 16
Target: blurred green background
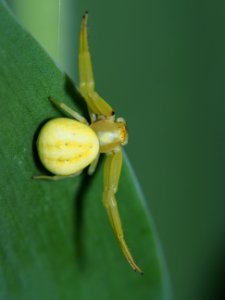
x: 161, y: 65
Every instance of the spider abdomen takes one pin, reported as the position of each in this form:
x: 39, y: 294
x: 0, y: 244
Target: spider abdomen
x: 66, y: 146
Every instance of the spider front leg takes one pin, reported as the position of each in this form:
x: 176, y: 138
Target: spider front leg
x: 95, y: 103
x: 112, y: 172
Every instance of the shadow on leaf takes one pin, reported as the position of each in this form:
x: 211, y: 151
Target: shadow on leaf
x: 79, y: 220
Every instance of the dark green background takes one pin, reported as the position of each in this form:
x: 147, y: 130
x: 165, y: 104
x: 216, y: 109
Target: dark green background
x: 161, y: 64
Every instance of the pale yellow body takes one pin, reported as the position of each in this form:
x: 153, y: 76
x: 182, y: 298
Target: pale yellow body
x: 66, y: 146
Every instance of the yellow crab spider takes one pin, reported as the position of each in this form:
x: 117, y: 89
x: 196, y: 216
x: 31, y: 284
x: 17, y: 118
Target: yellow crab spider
x: 66, y: 146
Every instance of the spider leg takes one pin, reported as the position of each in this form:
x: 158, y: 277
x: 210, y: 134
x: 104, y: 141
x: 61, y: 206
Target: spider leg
x: 112, y: 171
x: 56, y: 177
x: 69, y: 111
x: 95, y: 103
x: 93, y: 165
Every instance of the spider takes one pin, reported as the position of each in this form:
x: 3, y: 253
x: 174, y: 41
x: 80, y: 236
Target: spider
x: 66, y: 146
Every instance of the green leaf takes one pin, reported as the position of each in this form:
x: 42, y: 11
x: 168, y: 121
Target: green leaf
x: 55, y: 238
